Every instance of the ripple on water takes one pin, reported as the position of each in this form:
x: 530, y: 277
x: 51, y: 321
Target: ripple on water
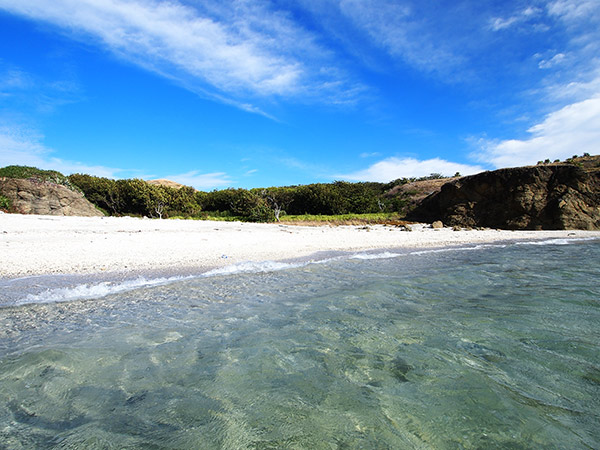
x: 495, y: 347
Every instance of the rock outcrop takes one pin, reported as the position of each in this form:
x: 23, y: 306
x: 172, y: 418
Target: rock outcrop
x: 166, y: 183
x: 30, y: 196
x: 562, y: 196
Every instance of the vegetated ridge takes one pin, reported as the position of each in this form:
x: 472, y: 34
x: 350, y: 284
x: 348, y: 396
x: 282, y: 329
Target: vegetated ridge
x: 559, y: 195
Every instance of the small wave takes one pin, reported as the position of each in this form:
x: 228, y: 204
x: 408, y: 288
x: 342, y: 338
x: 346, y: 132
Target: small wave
x: 102, y: 289
x: 254, y: 267
x: 457, y: 249
x: 88, y: 291
x: 557, y: 241
x: 384, y: 255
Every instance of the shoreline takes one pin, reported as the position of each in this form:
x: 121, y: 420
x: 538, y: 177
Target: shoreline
x: 33, y: 245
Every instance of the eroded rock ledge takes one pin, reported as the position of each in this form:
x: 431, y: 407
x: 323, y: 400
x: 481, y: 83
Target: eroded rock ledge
x: 558, y: 197
x: 30, y: 196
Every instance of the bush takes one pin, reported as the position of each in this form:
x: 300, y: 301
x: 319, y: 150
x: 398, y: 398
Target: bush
x: 137, y: 197
x: 5, y: 203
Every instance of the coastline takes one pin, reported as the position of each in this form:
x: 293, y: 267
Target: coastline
x: 33, y: 245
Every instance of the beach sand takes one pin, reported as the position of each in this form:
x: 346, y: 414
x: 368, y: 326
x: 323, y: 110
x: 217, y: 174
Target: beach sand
x: 38, y: 245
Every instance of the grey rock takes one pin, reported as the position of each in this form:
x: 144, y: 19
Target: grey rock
x: 30, y: 196
x: 554, y: 197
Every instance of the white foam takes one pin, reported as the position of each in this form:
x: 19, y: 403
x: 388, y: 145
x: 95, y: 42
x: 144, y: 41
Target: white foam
x: 457, y: 249
x: 253, y: 267
x: 96, y: 290
x: 384, y: 255
x: 557, y: 241
x: 102, y: 289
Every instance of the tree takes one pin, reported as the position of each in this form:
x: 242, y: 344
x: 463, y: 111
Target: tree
x: 157, y: 200
x: 278, y: 199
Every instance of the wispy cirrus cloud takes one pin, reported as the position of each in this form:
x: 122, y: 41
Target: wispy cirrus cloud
x: 202, y: 181
x: 23, y: 88
x: 393, y: 168
x: 558, y: 58
x: 25, y: 148
x: 405, y: 32
x: 574, y: 10
x: 525, y: 15
x: 230, y: 53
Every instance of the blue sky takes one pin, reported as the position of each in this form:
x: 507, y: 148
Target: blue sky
x: 252, y: 93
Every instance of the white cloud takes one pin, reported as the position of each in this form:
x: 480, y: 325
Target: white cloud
x: 224, y: 52
x: 402, y: 32
x: 393, y: 168
x: 574, y: 10
x: 571, y: 130
x: 577, y: 89
x: 22, y: 147
x: 170, y: 32
x: 202, y: 181
x: 548, y: 63
x: 369, y: 154
x: 14, y: 79
x: 18, y: 147
x: 498, y: 23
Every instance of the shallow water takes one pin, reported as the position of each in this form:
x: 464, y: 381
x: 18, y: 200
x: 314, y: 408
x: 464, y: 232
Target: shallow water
x: 480, y: 347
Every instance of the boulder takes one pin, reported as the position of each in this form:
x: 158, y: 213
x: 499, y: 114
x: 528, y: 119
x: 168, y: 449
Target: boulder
x: 557, y: 197
x: 29, y: 196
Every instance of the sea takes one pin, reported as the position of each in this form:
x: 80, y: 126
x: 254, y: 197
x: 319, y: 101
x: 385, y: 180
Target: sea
x: 473, y: 347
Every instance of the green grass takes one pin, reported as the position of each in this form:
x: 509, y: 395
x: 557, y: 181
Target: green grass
x: 209, y: 217
x: 341, y: 219
x: 310, y: 219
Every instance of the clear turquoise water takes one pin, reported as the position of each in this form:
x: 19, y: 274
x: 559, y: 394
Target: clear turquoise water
x: 494, y: 347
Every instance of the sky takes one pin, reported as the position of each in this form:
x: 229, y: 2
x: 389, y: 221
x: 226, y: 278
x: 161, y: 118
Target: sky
x: 256, y: 93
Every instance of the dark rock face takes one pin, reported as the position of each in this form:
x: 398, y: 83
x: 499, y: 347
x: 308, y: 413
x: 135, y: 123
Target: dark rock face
x: 558, y: 197
x: 37, y: 197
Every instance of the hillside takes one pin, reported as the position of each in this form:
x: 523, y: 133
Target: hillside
x: 166, y: 183
x: 558, y: 195
x: 415, y: 192
x: 562, y: 195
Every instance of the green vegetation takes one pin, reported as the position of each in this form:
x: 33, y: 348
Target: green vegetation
x: 343, y: 218
x: 5, y: 203
x: 136, y: 197
x: 335, y: 202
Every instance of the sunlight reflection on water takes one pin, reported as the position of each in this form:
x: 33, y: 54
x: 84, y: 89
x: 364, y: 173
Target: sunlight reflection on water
x: 488, y: 348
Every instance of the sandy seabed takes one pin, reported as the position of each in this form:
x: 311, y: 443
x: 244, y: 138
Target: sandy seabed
x: 37, y: 245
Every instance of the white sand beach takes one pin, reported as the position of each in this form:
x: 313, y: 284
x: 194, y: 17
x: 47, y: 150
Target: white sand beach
x: 36, y: 245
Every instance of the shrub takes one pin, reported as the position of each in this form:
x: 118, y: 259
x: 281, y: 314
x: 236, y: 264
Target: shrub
x: 5, y: 203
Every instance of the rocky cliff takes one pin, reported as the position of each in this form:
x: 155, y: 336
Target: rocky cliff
x: 561, y: 196
x: 29, y: 196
